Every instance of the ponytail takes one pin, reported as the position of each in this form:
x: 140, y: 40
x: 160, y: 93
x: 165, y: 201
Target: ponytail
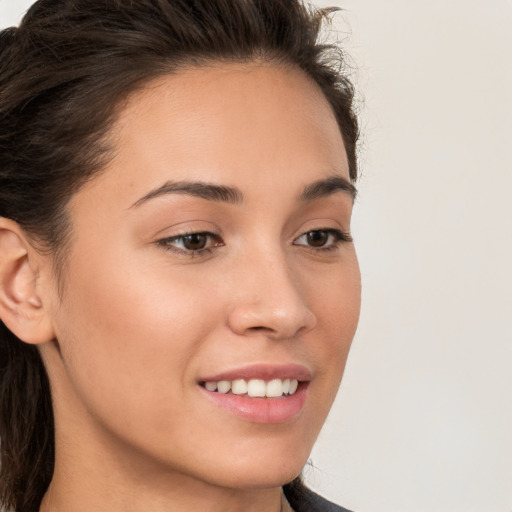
x: 26, y: 425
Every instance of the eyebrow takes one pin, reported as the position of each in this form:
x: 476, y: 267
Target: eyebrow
x: 207, y: 191
x: 327, y: 187
x: 233, y: 195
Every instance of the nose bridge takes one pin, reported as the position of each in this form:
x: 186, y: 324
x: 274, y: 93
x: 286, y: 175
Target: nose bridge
x: 270, y: 298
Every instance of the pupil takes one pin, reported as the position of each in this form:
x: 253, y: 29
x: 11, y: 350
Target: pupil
x: 195, y: 242
x: 317, y: 238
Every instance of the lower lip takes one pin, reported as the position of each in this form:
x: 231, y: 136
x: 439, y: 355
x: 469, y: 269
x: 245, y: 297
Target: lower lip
x: 261, y: 410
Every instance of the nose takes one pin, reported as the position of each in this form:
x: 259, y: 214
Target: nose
x: 270, y: 301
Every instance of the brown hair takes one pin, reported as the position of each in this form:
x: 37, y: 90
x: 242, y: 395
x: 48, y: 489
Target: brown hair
x: 63, y: 73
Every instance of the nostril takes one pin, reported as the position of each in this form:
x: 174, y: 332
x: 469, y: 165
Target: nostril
x: 281, y: 321
x: 261, y: 329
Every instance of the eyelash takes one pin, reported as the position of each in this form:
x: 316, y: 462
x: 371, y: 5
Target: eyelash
x: 337, y: 237
x: 166, y: 243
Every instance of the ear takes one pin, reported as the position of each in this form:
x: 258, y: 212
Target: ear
x: 21, y: 308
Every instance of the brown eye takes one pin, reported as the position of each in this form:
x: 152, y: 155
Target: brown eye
x: 317, y: 238
x: 323, y: 239
x: 195, y: 242
x: 192, y: 244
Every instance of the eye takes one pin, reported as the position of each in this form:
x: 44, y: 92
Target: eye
x: 323, y: 239
x: 191, y: 243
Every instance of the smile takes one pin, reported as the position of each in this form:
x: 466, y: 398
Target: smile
x: 259, y: 393
x: 254, y: 387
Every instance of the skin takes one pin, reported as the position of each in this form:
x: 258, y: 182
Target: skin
x: 138, y: 321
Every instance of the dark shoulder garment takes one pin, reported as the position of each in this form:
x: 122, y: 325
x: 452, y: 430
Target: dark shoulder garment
x: 305, y: 500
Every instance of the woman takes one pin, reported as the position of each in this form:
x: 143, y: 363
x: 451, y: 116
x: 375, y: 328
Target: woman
x: 178, y: 285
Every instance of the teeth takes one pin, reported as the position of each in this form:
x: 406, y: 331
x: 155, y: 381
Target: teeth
x: 274, y: 388
x: 255, y: 387
x: 223, y: 386
x: 239, y: 387
x: 210, y: 386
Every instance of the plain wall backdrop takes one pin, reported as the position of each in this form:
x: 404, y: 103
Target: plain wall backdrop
x: 423, y: 420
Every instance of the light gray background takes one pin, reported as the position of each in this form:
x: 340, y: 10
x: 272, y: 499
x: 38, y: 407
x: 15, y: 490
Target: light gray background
x: 423, y: 421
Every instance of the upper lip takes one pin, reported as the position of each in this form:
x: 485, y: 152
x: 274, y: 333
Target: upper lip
x: 262, y: 371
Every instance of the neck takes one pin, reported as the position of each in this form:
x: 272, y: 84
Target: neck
x: 158, y: 495
x: 103, y: 475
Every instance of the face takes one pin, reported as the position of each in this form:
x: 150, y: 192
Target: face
x: 209, y: 262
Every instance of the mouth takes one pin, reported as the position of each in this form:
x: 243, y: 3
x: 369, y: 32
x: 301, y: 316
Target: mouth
x: 254, y: 388
x: 260, y: 393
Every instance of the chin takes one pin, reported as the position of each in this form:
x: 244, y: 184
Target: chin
x: 260, y: 478
x: 272, y: 471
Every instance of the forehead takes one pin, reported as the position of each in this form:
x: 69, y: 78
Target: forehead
x: 236, y: 124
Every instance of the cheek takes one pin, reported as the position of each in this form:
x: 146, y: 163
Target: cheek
x: 127, y: 338
x: 338, y: 308
x: 336, y: 295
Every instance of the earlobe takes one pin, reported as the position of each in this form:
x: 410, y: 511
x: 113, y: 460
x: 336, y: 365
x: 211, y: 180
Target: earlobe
x: 21, y: 307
